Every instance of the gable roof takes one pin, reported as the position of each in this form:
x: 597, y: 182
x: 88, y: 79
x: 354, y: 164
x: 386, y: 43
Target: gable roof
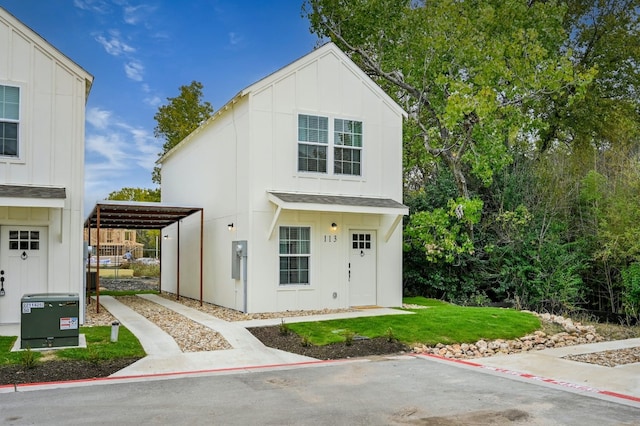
x: 327, y: 49
x: 37, y: 39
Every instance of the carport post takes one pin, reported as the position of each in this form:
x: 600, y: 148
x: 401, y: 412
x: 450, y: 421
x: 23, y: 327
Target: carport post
x: 97, y: 259
x: 178, y: 264
x: 201, y: 250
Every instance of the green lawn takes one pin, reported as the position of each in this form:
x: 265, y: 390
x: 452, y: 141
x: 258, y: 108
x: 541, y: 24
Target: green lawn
x: 99, y: 347
x: 440, y: 323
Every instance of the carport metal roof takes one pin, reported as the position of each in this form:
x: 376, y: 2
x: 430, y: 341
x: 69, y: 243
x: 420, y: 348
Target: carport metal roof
x: 136, y: 215
x: 111, y: 214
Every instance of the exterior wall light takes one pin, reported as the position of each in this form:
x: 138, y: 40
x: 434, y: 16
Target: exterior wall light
x: 230, y: 226
x: 334, y: 226
x: 166, y: 237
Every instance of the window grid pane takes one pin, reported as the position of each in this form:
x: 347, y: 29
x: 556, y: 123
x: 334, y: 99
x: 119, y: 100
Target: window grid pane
x: 9, y: 102
x: 313, y: 129
x: 9, y: 116
x: 295, y: 245
x: 348, y: 133
x: 346, y: 161
x: 312, y: 158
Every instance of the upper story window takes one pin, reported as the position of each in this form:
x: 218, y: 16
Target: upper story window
x: 316, y: 149
x: 9, y: 120
x: 313, y: 137
x: 348, y: 146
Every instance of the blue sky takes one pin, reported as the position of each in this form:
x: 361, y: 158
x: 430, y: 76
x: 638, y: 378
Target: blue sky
x: 141, y: 52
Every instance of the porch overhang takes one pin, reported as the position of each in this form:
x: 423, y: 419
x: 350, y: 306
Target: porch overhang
x: 32, y: 196
x: 338, y: 204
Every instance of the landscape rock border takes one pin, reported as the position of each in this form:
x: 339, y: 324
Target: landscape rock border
x: 574, y: 334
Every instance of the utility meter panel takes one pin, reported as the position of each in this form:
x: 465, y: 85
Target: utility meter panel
x: 238, y: 251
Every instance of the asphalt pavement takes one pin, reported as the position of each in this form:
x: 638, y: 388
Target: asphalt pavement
x: 380, y: 391
x: 164, y: 359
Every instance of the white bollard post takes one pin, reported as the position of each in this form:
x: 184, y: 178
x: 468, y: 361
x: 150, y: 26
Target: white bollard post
x: 114, y: 331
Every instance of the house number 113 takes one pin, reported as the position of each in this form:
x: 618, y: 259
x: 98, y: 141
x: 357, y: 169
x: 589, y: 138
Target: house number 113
x: 330, y: 238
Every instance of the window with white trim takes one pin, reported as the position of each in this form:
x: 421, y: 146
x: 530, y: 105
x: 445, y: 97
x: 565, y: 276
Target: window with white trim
x: 295, y: 250
x: 9, y: 120
x: 347, y: 158
x: 316, y: 148
x: 313, y: 137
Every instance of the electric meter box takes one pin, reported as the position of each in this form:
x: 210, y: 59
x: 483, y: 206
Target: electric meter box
x: 49, y: 320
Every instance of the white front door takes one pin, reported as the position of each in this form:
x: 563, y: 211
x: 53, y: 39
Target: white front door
x: 23, y: 265
x: 362, y: 268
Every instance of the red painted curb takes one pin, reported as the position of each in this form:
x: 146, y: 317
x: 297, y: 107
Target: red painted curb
x: 533, y: 377
x: 16, y: 387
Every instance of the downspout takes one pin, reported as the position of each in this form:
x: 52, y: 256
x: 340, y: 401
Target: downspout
x: 159, y: 247
x: 201, y: 250
x: 244, y: 279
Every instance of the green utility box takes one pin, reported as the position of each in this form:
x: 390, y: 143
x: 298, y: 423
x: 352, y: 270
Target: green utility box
x: 49, y: 320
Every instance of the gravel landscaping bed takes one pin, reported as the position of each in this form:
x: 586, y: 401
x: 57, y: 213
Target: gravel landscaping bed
x: 190, y: 336
x: 611, y: 358
x: 228, y: 314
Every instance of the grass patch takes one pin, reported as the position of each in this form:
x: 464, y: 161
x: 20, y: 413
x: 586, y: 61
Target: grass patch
x: 440, y: 323
x: 99, y: 347
x: 8, y: 357
x: 142, y: 270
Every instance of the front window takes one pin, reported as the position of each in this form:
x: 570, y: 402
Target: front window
x: 316, y: 148
x: 348, y: 147
x: 295, y: 247
x: 313, y: 137
x: 9, y: 119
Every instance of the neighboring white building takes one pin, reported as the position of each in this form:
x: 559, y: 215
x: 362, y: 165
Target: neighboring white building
x: 300, y: 178
x: 42, y: 113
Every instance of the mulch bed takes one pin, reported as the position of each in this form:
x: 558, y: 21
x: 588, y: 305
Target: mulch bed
x: 55, y: 371
x: 291, y: 342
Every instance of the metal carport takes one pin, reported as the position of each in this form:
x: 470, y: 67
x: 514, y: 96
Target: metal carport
x: 140, y: 215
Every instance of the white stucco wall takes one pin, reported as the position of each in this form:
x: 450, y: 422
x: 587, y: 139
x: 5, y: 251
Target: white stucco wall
x: 53, y: 93
x: 250, y: 148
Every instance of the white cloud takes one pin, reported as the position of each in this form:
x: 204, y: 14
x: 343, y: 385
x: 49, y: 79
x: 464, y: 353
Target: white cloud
x: 114, y: 45
x: 134, y: 15
x: 134, y: 70
x: 109, y: 149
x: 100, y: 6
x: 235, y: 39
x: 153, y: 101
x: 118, y: 155
x: 98, y: 118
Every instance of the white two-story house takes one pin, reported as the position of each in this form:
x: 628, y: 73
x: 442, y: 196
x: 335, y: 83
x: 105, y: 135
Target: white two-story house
x: 42, y: 112
x: 300, y: 179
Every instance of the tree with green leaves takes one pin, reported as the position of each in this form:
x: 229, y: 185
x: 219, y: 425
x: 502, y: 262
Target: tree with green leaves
x: 472, y: 75
x: 148, y: 238
x: 177, y: 119
x: 475, y: 78
x: 135, y: 194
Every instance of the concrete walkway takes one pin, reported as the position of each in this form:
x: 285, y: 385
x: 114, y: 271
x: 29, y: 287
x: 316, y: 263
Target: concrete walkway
x: 247, y: 350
